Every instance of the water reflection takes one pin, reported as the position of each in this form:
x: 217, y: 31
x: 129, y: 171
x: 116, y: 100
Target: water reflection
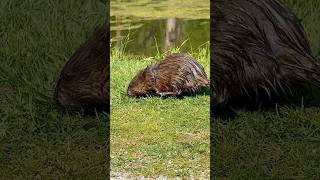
x: 161, y: 34
x: 158, y: 25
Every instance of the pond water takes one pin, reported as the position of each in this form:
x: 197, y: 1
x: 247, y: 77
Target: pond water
x: 153, y: 25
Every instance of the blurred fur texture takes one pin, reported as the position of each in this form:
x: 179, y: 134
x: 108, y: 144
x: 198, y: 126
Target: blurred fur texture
x: 259, y: 49
x: 84, y: 80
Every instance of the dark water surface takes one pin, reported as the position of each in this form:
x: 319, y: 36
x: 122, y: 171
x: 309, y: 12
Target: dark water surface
x: 151, y: 26
x: 152, y: 34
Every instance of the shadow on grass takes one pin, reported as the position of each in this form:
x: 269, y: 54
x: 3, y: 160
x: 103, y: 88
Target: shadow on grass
x: 303, y: 96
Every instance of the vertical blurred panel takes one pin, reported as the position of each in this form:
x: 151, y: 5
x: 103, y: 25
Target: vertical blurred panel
x: 108, y: 88
x: 265, y: 95
x: 54, y: 89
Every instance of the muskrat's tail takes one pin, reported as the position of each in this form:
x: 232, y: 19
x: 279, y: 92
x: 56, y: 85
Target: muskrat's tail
x: 207, y: 84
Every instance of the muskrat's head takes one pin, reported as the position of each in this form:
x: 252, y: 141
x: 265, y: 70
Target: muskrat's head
x: 141, y: 84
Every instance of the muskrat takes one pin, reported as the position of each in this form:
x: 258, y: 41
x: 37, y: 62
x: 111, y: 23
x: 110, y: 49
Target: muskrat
x: 84, y: 80
x: 259, y: 49
x: 176, y: 75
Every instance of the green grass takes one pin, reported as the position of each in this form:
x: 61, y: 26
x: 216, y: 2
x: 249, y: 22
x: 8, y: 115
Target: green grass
x: 37, y: 141
x: 281, y: 143
x: 152, y: 136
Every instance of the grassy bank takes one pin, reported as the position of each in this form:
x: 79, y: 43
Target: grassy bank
x: 37, y: 141
x: 281, y: 143
x: 153, y: 136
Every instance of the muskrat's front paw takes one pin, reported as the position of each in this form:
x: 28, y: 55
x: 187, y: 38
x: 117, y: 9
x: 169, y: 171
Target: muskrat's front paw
x: 177, y: 94
x: 168, y: 94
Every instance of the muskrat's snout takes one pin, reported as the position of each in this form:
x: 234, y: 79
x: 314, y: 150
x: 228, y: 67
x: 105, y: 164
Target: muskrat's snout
x: 133, y: 90
x: 139, y: 84
x: 133, y: 93
x: 130, y: 92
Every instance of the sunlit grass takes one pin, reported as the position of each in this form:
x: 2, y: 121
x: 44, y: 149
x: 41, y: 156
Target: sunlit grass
x: 154, y: 136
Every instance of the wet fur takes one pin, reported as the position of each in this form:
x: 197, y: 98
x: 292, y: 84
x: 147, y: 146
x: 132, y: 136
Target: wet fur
x: 84, y: 80
x: 259, y: 50
x: 177, y: 75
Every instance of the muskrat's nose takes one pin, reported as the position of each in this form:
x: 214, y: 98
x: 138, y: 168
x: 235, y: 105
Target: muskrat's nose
x: 129, y: 93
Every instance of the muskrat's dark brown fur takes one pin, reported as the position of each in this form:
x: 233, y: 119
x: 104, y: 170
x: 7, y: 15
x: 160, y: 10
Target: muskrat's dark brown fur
x: 259, y: 48
x: 84, y: 80
x: 178, y: 74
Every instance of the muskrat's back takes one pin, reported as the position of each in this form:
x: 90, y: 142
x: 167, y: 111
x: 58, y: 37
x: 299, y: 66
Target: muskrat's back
x: 177, y: 74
